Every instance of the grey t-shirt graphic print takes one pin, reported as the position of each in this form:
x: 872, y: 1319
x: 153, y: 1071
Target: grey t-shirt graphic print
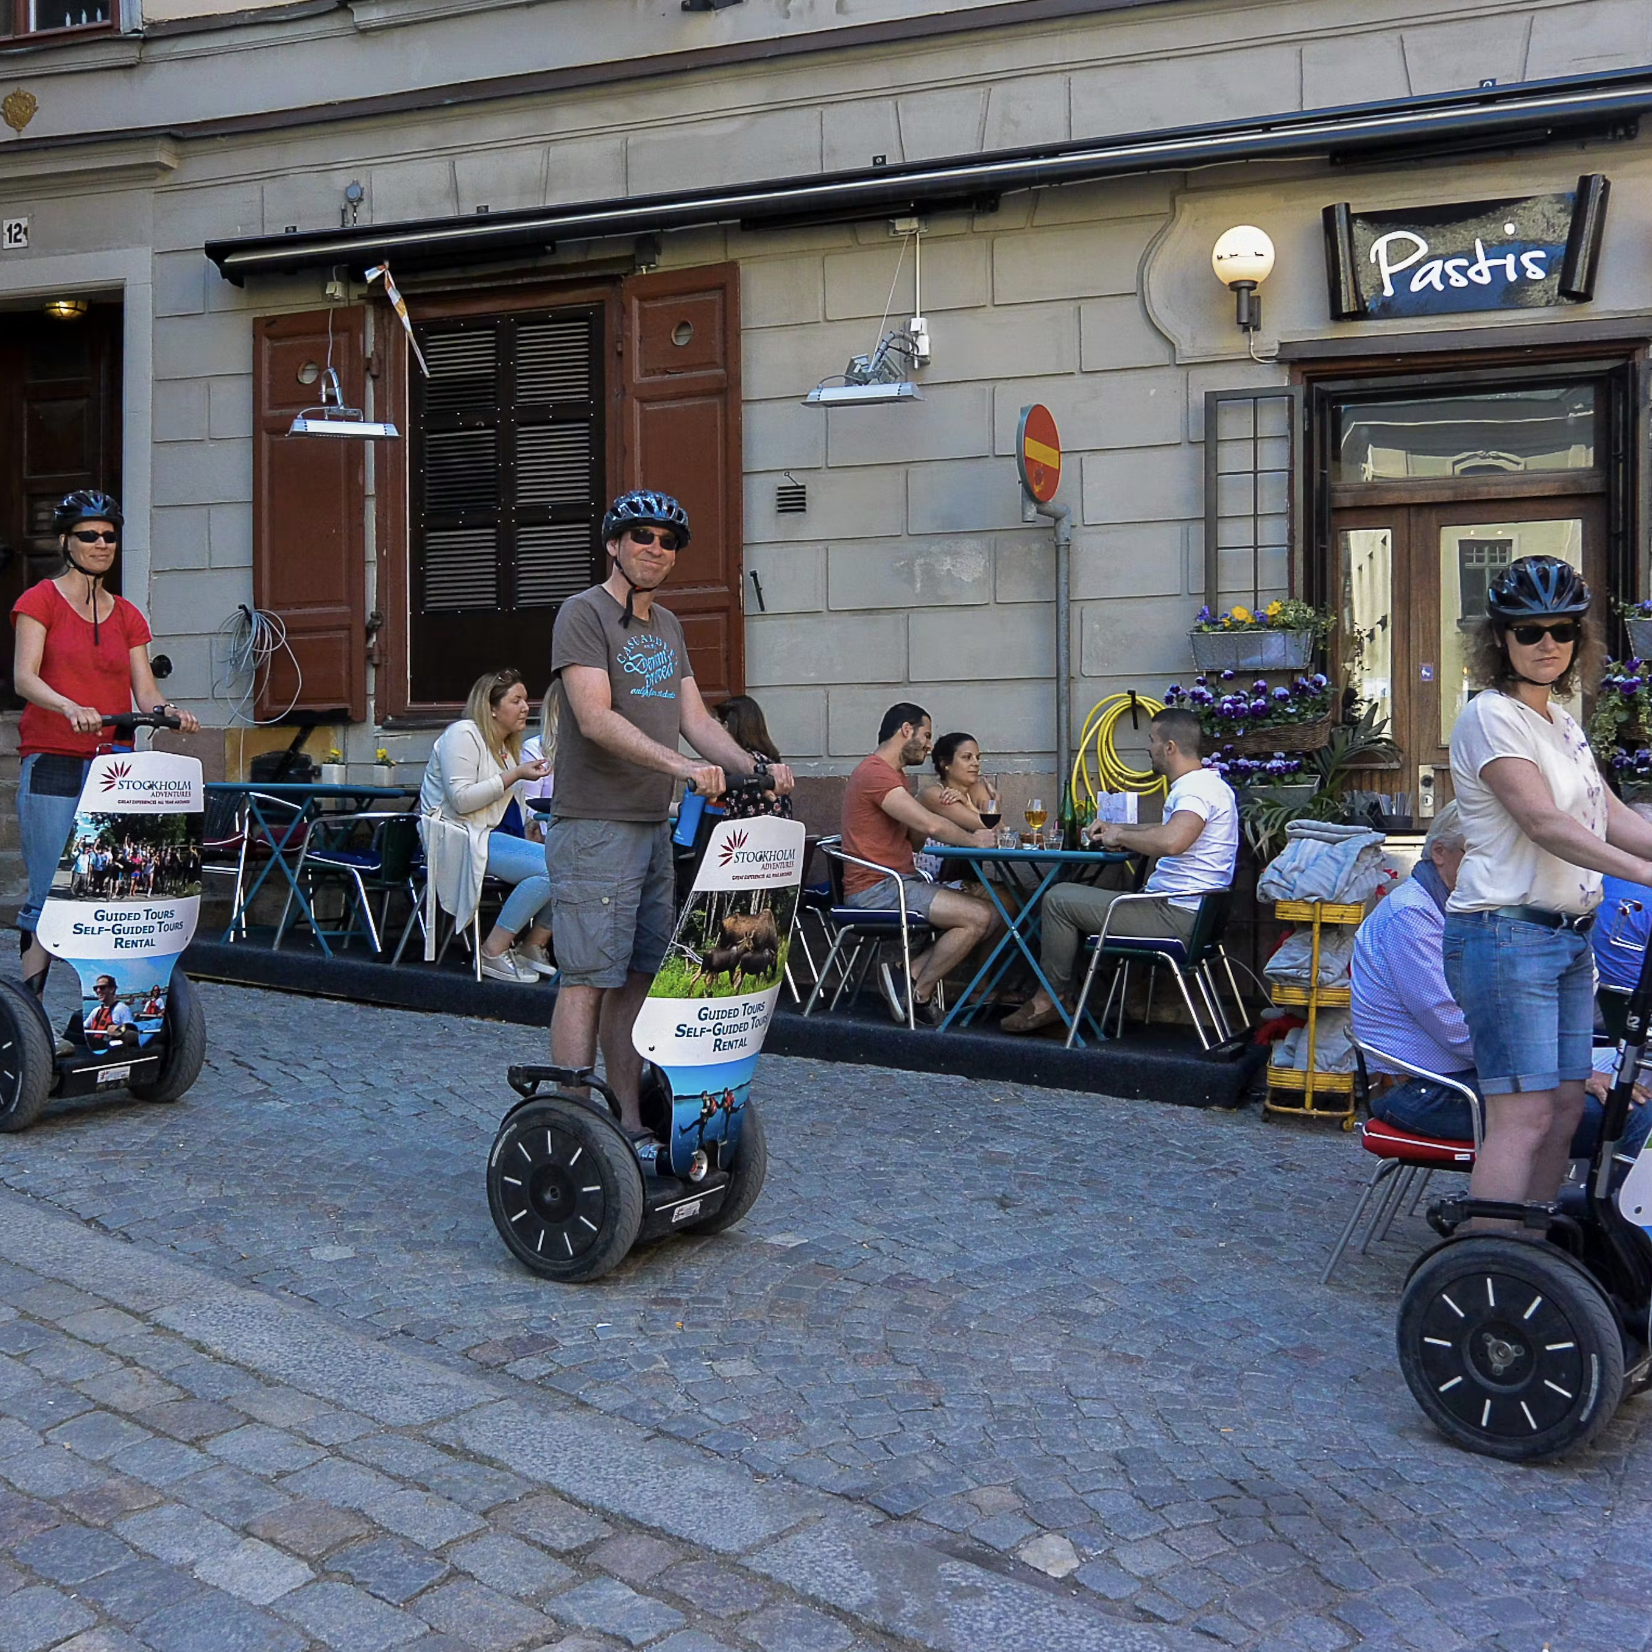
x: 646, y: 663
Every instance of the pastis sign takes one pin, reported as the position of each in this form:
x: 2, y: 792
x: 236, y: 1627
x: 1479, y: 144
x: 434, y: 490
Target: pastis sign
x: 1526, y: 253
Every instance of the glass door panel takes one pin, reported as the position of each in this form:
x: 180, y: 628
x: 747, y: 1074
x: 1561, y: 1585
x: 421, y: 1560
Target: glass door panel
x: 1367, y: 563
x: 1471, y: 556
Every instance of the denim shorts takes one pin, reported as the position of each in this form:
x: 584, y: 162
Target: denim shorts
x: 1433, y: 1110
x: 920, y: 896
x: 613, y: 885
x: 1528, y: 995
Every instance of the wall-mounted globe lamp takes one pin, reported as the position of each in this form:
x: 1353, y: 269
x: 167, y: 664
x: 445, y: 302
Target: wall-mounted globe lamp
x: 1243, y: 259
x: 67, y: 309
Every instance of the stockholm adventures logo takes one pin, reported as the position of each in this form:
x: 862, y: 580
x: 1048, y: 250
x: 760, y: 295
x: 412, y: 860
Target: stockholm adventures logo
x: 114, y: 774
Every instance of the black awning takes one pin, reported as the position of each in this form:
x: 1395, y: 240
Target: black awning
x: 1492, y: 117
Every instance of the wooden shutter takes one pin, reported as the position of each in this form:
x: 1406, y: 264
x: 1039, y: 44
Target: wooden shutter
x: 682, y: 435
x: 507, y: 464
x: 309, y: 555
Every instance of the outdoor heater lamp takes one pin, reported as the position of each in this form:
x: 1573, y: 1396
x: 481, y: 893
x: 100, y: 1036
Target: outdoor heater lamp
x: 1243, y: 259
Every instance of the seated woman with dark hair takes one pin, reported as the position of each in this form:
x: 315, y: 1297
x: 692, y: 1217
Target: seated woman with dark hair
x: 743, y: 717
x: 960, y: 792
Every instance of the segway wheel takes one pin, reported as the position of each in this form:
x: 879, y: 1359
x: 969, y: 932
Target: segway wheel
x: 565, y: 1190
x: 186, y: 1046
x: 751, y: 1165
x: 1511, y: 1350
x: 27, y: 1065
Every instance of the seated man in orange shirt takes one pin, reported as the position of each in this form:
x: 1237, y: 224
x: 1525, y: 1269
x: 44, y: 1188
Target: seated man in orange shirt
x: 883, y: 822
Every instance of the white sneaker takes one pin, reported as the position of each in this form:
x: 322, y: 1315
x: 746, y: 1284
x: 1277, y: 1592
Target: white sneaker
x: 535, y: 958
x: 506, y: 968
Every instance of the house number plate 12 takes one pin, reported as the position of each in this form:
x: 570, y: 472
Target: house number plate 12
x: 14, y: 234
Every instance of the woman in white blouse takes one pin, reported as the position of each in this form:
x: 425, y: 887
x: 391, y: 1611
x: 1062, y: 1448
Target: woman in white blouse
x: 469, y: 783
x: 1540, y: 828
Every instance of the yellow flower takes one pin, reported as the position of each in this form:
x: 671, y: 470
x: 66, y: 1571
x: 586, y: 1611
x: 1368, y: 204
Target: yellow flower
x: 382, y: 755
x: 1274, y: 607
x: 1241, y: 614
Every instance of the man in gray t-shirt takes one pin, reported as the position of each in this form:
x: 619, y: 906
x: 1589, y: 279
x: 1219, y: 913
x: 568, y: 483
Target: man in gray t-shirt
x: 625, y: 696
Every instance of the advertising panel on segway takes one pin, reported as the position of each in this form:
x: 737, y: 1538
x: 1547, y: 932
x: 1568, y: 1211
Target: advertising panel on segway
x: 1522, y: 1345
x: 570, y: 1193
x: 123, y: 905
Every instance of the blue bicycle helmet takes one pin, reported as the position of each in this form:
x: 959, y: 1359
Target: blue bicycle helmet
x: 646, y: 508
x: 1537, y: 587
x: 86, y: 505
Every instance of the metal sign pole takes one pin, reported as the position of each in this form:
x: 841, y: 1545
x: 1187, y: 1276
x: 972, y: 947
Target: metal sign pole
x: 1038, y: 460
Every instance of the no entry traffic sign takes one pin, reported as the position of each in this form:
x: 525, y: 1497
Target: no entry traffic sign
x: 1038, y: 452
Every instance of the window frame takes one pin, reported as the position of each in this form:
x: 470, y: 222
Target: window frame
x: 14, y: 15
x: 390, y: 364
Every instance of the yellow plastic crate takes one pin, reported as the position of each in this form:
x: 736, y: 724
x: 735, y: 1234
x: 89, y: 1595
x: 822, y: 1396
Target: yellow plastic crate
x: 1296, y: 1078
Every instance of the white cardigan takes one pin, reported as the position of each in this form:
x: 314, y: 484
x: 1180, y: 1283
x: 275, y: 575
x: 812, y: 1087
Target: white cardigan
x: 462, y: 798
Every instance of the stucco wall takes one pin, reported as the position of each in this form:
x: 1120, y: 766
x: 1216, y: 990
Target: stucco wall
x: 912, y: 573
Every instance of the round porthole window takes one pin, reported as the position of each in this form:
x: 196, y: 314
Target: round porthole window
x: 309, y: 373
x: 682, y: 333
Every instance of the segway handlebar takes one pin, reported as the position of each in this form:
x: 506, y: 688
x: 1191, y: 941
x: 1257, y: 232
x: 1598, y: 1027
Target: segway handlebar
x: 750, y: 785
x: 129, y: 722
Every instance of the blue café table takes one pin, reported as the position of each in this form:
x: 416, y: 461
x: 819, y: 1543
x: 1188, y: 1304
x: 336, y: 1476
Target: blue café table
x: 1049, y: 866
x: 295, y: 805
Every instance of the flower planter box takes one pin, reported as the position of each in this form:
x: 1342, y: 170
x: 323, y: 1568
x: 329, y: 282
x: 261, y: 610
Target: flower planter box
x: 1635, y: 791
x: 334, y: 774
x: 1640, y: 637
x: 384, y: 774
x: 1252, y: 650
x: 1291, y: 793
x: 1263, y: 742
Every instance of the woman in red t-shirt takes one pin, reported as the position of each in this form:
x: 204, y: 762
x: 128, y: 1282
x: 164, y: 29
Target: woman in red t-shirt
x: 82, y: 654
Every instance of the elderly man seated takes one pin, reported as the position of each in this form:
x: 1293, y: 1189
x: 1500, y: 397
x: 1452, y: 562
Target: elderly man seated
x: 1403, y: 1005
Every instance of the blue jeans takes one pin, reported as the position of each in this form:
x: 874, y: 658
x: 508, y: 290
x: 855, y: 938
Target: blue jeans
x: 44, y: 821
x: 515, y: 860
x: 1433, y: 1110
x: 1528, y: 995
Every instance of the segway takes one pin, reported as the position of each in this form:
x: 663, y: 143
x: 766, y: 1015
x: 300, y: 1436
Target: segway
x: 1523, y: 1348
x: 123, y: 904
x: 570, y: 1192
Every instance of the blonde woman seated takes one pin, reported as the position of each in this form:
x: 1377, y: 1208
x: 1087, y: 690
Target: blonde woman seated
x: 469, y: 783
x: 960, y: 792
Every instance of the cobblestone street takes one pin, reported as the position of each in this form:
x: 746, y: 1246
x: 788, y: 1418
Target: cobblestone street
x: 986, y: 1367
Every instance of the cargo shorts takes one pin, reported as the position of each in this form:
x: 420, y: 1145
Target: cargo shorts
x: 613, y: 889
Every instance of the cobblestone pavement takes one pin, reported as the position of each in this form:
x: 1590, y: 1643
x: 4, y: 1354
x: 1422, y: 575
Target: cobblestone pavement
x: 1021, y: 1335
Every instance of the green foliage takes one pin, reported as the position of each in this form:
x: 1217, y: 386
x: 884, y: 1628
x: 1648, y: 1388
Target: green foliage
x: 1264, y: 817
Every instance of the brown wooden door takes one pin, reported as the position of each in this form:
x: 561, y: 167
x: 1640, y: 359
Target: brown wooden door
x: 309, y: 517
x: 682, y: 435
x: 59, y: 430
x: 1412, y: 579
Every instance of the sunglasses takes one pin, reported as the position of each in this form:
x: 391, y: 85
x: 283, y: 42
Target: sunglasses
x: 91, y: 536
x: 1529, y: 636
x: 650, y: 536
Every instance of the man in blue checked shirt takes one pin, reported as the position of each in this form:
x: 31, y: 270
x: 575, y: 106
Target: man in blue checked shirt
x: 1403, y: 1005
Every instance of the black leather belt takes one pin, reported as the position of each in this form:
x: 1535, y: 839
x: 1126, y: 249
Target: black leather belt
x: 1581, y: 922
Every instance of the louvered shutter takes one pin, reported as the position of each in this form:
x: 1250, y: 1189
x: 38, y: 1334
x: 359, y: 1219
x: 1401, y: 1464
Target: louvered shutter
x: 507, y: 470
x: 309, y: 538
x: 682, y: 425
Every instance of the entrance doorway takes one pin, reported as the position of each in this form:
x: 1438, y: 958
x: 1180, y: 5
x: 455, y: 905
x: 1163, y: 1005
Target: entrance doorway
x: 1433, y: 490
x: 60, y: 398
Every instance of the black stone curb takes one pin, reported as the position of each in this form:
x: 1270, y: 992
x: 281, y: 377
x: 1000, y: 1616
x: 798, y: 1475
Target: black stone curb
x: 1131, y: 1071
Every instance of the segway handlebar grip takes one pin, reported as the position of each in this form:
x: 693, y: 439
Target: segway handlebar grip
x: 129, y: 722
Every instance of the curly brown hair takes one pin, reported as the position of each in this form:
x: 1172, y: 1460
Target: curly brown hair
x: 1489, y: 667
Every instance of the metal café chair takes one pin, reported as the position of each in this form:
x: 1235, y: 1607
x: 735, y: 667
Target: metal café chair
x: 1193, y: 958
x: 864, y: 929
x: 1410, y: 1159
x: 385, y: 866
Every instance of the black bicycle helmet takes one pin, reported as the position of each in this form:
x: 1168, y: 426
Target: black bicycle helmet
x: 86, y: 505
x: 645, y: 507
x: 1537, y: 587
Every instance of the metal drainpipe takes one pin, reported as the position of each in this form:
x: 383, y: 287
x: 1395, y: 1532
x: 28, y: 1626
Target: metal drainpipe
x: 1061, y: 517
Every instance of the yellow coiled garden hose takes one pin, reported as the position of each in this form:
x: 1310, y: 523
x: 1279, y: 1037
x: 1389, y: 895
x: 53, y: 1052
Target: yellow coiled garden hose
x: 1111, y: 773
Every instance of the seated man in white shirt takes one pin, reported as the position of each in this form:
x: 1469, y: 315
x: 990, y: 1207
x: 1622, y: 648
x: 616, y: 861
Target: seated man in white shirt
x: 1197, y: 846
x: 1403, y: 1005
